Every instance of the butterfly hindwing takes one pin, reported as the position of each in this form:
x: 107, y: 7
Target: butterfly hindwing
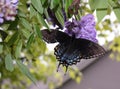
x: 67, y: 55
x: 89, y: 49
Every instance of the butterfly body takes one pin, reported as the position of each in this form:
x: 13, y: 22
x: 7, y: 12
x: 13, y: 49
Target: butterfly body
x: 70, y: 50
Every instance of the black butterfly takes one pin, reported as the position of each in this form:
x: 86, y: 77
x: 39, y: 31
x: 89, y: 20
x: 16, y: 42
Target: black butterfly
x: 70, y: 50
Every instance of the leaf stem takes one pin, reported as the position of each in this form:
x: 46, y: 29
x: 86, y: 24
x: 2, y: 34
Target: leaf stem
x: 101, y: 9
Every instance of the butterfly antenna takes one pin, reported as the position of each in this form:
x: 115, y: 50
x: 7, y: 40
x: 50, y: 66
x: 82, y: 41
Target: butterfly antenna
x: 58, y: 67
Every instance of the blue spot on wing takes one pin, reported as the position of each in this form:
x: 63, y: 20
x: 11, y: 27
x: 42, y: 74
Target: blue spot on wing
x: 67, y: 56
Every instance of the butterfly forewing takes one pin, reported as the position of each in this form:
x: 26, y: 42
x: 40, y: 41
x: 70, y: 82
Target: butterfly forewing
x: 55, y: 36
x: 49, y: 36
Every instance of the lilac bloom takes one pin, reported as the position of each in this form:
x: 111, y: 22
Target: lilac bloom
x: 8, y: 10
x: 85, y: 28
x: 1, y: 18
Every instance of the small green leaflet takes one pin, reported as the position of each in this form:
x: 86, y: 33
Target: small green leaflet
x: 32, y: 11
x: 43, y: 1
x: 0, y: 75
x: 25, y: 23
x: 37, y: 29
x: 30, y: 40
x: 37, y: 5
x: 18, y: 49
x: 54, y: 3
x: 117, y: 13
x: 99, y: 4
x: 95, y: 4
x: 67, y: 4
x: 101, y: 14
x: 59, y: 17
x: 9, y: 62
x: 1, y: 48
x: 13, y: 38
x: 26, y: 33
x: 3, y: 34
x: 26, y: 71
x: 42, y: 20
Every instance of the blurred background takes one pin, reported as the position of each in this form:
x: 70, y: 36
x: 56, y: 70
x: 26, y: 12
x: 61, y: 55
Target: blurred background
x: 27, y: 62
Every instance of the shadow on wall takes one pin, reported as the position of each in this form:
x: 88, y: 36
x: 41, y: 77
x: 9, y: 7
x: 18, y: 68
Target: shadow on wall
x: 102, y: 74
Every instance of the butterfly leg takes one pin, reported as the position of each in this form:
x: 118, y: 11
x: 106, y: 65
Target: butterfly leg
x: 58, y: 66
x: 66, y: 70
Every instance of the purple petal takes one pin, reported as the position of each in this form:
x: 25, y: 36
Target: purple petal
x: 8, y: 1
x: 2, y: 1
x: 15, y: 2
x: 85, y: 28
x: 76, y: 30
x: 8, y: 10
x: 1, y: 14
x: 1, y: 20
x: 76, y: 23
x: 67, y: 24
x: 87, y: 20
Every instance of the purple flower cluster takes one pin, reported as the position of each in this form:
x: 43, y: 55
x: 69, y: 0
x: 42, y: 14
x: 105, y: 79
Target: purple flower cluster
x: 85, y: 28
x: 8, y: 10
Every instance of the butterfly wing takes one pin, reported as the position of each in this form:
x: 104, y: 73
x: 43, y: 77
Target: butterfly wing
x: 55, y: 36
x: 49, y: 36
x: 67, y: 55
x: 89, y: 49
x: 71, y: 51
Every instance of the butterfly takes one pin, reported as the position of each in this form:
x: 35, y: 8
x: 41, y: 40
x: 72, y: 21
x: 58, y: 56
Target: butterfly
x: 71, y: 50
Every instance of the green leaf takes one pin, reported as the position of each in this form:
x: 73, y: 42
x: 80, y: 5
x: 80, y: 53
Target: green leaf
x: 37, y: 5
x: 32, y: 11
x: 21, y: 14
x: 54, y: 3
x: 59, y: 17
x: 13, y: 25
x: 112, y: 3
x: 26, y: 71
x: 101, y: 14
x: 43, y: 1
x: 13, y: 38
x: 9, y: 63
x: 1, y: 49
x: 26, y: 33
x: 117, y: 13
x: 38, y: 32
x: 67, y: 4
x: 3, y: 34
x: 30, y: 40
x: 0, y: 75
x: 46, y: 13
x: 25, y: 23
x: 94, y: 4
x: 18, y: 49
x: 42, y: 21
